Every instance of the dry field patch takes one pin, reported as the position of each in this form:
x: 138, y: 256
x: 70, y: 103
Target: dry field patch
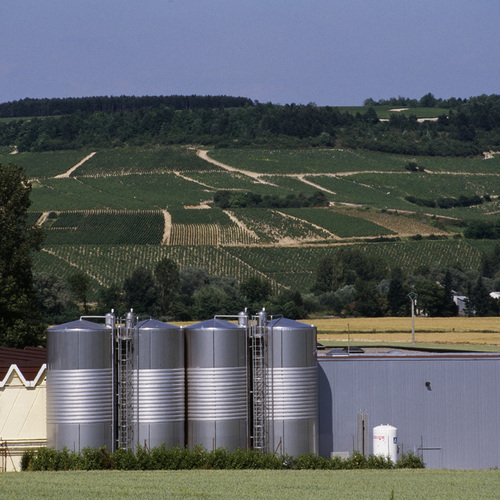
x: 478, y: 331
x: 400, y: 224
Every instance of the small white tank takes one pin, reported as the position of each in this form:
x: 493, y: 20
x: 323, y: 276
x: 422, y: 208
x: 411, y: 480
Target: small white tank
x: 385, y: 441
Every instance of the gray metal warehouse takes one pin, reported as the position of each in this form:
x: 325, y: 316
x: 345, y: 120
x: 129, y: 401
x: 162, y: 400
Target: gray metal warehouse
x: 445, y: 405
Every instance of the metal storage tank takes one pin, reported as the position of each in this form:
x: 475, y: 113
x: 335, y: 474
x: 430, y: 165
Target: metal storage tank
x: 79, y: 386
x: 292, y: 383
x: 159, y: 375
x: 217, y: 401
x: 385, y: 441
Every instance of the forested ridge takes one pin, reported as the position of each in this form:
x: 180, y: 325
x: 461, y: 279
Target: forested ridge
x: 110, y: 104
x: 467, y: 128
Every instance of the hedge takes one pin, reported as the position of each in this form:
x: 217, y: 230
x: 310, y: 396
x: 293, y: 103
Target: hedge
x: 163, y: 458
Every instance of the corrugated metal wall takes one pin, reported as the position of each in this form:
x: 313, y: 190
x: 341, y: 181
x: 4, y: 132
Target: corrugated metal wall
x: 454, y: 418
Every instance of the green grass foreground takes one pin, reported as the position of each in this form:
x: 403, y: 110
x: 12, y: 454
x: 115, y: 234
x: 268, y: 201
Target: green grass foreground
x: 372, y: 484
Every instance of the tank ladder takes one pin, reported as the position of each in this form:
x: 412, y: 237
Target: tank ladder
x: 125, y: 400
x: 258, y: 333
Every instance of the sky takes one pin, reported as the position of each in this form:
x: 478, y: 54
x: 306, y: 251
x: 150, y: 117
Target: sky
x: 327, y: 52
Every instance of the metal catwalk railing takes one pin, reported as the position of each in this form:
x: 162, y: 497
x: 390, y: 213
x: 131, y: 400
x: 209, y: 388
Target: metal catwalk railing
x: 258, y: 333
x: 125, y: 386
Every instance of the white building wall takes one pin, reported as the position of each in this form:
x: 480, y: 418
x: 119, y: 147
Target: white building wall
x: 22, y: 416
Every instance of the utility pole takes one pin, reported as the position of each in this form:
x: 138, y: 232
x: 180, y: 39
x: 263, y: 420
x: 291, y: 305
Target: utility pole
x: 413, y: 298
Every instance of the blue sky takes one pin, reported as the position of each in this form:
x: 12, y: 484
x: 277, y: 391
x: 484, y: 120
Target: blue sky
x: 331, y: 52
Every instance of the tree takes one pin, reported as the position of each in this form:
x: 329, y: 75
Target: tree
x: 479, y: 300
x: 397, y: 298
x: 256, y: 291
x: 166, y: 274
x: 368, y: 302
x: 79, y: 286
x: 20, y: 322
x: 209, y: 301
x: 324, y: 275
x: 428, y: 101
x: 192, y: 278
x: 141, y: 292
x: 110, y: 298
x: 51, y: 294
x: 430, y: 297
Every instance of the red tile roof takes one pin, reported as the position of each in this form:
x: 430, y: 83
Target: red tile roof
x: 28, y: 360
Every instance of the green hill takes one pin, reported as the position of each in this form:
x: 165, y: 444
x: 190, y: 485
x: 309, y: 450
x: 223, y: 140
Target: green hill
x: 128, y: 207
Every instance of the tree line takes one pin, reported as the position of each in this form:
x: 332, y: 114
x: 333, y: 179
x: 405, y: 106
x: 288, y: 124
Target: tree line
x: 467, y: 129
x: 426, y: 101
x: 110, y: 104
x: 236, y: 199
x: 449, y: 202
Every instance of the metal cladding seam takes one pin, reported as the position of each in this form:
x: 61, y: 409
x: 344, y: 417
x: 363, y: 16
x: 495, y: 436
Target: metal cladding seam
x: 79, y: 396
x: 161, y: 395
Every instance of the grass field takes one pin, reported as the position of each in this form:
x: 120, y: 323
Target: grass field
x: 317, y: 485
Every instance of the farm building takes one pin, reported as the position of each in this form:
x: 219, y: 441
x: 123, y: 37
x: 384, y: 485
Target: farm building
x: 444, y: 404
x: 258, y: 381
x: 22, y: 403
x: 461, y: 302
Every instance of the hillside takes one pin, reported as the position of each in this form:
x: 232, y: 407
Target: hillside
x: 189, y: 206
x: 108, y: 211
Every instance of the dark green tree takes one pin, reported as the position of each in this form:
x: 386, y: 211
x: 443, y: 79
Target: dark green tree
x: 479, y: 300
x: 166, y: 274
x: 79, y: 286
x: 209, y: 301
x: 290, y: 304
x: 52, y: 295
x: 352, y: 264
x: 430, y: 297
x: 109, y: 298
x: 20, y: 322
x: 368, y: 302
x: 397, y: 295
x: 141, y: 292
x: 256, y: 290
x: 193, y: 278
x: 323, y: 281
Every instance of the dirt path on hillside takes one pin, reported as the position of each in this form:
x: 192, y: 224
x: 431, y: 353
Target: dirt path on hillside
x: 203, y: 154
x: 241, y: 224
x: 42, y: 219
x: 66, y: 174
x: 167, y: 229
x: 332, y: 235
x: 178, y: 174
x: 301, y: 178
x: 488, y: 155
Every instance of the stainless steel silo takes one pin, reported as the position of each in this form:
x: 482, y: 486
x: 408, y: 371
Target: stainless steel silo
x: 159, y: 384
x: 217, y: 387
x: 292, y: 387
x: 79, y: 386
